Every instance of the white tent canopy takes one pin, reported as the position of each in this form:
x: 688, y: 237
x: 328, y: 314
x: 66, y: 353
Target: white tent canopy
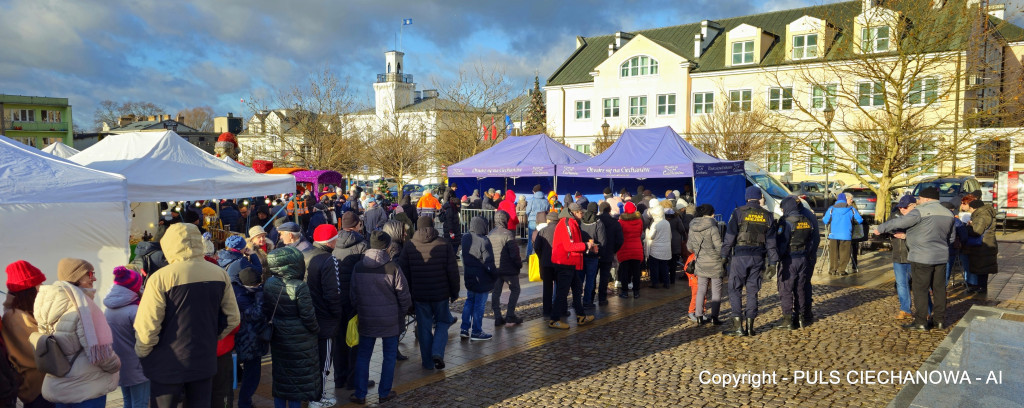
x: 161, y: 166
x: 233, y: 163
x: 60, y: 150
x: 52, y: 209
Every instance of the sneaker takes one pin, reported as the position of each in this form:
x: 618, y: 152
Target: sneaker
x: 480, y: 337
x: 464, y: 334
x: 324, y: 402
x: 558, y: 324
x: 693, y: 317
x: 582, y: 320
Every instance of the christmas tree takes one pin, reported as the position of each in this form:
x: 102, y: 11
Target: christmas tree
x: 536, y: 115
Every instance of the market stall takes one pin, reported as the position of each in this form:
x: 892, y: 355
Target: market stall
x: 318, y: 179
x: 517, y: 163
x: 60, y: 150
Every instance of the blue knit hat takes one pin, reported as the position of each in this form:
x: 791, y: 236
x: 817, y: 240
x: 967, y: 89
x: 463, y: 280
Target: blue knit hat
x: 841, y: 198
x: 753, y: 193
x: 235, y: 242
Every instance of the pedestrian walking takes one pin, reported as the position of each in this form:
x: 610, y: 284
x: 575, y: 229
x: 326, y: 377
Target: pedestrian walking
x: 122, y: 304
x: 23, y: 283
x: 841, y: 218
x: 380, y: 295
x: 929, y: 229
x: 432, y: 273
x: 508, y: 264
x: 480, y: 272
x: 705, y: 241
x: 750, y: 239
x: 795, y: 240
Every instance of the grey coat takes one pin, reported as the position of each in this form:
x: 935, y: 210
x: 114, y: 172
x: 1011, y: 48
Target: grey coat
x: 705, y: 241
x: 506, y: 250
x: 120, y: 314
x: 381, y: 298
x: 929, y: 229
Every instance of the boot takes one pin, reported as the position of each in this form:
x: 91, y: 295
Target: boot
x: 788, y: 322
x: 806, y: 319
x: 715, y: 321
x: 738, y: 328
x: 750, y: 327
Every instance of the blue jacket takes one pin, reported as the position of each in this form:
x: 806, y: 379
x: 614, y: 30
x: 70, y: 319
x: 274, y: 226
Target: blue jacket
x: 225, y: 257
x: 537, y: 203
x: 250, y: 305
x: 316, y: 219
x: 960, y: 229
x: 229, y: 215
x: 840, y: 218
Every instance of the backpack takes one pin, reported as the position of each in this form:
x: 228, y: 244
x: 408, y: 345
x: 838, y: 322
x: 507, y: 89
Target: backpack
x: 10, y: 379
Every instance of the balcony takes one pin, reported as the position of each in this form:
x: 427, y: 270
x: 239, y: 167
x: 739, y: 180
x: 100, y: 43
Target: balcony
x: 36, y: 126
x: 394, y: 77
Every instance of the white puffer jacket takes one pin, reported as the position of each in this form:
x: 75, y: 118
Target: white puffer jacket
x: 56, y: 313
x: 659, y: 236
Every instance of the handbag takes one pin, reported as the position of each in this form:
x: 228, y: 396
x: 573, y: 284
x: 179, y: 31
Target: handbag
x: 267, y: 333
x: 534, y: 267
x: 352, y: 332
x: 49, y: 357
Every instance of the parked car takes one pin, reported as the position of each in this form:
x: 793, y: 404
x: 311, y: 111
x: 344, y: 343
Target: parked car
x: 814, y: 193
x: 988, y: 189
x: 414, y: 191
x: 773, y: 190
x: 950, y: 187
x: 865, y: 199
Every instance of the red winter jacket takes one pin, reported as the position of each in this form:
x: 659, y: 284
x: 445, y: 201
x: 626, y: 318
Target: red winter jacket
x: 509, y: 205
x: 632, y: 236
x: 568, y: 246
x: 227, y: 344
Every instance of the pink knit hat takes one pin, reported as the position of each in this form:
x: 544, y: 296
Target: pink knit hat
x: 127, y: 278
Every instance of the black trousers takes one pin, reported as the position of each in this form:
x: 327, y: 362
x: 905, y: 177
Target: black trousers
x: 223, y: 395
x: 924, y: 277
x: 344, y: 356
x: 568, y: 278
x: 604, y: 270
x: 547, y: 276
x: 629, y: 272
x: 673, y: 267
x: 196, y: 394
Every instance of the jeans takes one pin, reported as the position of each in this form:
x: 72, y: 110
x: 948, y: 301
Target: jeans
x: 532, y: 229
x: 568, y: 278
x: 588, y: 276
x: 925, y: 276
x: 513, y: 297
x: 98, y: 402
x: 659, y: 271
x: 902, y: 272
x: 282, y: 403
x: 249, y: 373
x: 136, y: 396
x: 387, y: 369
x: 963, y: 263
x: 969, y: 278
x: 432, y: 322
x: 473, y: 311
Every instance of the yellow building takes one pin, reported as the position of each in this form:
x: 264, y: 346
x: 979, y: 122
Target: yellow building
x: 794, y: 64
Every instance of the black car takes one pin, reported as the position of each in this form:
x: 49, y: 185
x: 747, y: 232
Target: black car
x: 813, y: 193
x: 950, y: 187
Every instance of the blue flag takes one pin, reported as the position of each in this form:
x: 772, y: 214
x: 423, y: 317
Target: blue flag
x: 508, y: 125
x: 407, y: 21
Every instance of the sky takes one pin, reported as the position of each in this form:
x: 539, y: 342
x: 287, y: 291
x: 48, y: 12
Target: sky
x: 187, y: 53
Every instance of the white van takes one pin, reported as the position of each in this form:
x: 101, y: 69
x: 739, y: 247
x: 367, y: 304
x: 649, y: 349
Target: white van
x: 771, y: 188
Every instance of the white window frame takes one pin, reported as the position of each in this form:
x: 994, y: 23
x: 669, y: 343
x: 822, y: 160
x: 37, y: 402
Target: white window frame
x: 707, y: 105
x: 582, y: 148
x: 50, y: 116
x: 638, y: 111
x: 743, y: 53
x: 611, y: 111
x: 828, y: 96
x: 23, y: 115
x: 782, y: 153
x: 640, y: 65
x: 876, y: 90
x: 582, y: 109
x: 920, y: 90
x: 736, y: 99
x: 802, y: 52
x: 870, y: 40
x: 817, y: 160
x: 668, y: 107
x: 780, y: 99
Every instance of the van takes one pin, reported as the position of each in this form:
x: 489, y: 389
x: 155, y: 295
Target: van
x: 772, y: 190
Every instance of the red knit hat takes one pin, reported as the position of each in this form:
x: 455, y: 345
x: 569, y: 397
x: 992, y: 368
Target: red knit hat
x: 630, y: 207
x: 127, y: 278
x: 325, y: 233
x: 21, y: 275
x: 228, y: 137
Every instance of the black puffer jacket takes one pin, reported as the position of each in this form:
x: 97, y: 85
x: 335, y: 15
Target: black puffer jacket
x: 506, y: 250
x: 450, y: 222
x: 348, y: 250
x: 323, y: 278
x: 679, y: 230
x: 430, y: 267
x: 613, y: 237
x: 294, y: 345
x: 408, y: 208
x: 380, y: 295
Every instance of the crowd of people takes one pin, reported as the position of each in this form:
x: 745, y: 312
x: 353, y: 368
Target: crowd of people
x: 300, y: 276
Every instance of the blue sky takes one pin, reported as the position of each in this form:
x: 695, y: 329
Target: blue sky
x: 183, y: 54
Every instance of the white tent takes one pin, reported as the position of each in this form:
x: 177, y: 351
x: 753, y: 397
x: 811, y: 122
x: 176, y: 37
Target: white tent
x: 237, y: 165
x: 51, y: 208
x: 60, y: 150
x: 161, y: 166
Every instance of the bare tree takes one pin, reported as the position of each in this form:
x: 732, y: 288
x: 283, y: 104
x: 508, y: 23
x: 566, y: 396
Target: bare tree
x: 398, y: 148
x: 734, y: 129
x: 915, y: 91
x: 110, y: 112
x: 199, y: 118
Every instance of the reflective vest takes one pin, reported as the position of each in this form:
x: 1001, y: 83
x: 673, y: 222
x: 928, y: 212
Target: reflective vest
x: 754, y: 226
x: 800, y: 236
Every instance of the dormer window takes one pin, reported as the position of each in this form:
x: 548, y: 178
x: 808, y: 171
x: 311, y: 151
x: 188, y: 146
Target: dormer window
x: 743, y: 52
x: 639, y: 66
x: 874, y: 39
x: 805, y: 46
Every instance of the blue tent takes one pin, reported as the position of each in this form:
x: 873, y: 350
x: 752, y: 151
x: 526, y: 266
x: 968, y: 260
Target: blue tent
x: 517, y: 163
x: 659, y: 157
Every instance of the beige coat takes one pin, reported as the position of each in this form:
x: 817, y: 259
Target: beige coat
x: 56, y: 314
x: 18, y: 326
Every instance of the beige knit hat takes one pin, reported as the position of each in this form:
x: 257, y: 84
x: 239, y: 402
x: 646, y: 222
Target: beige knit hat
x: 73, y: 269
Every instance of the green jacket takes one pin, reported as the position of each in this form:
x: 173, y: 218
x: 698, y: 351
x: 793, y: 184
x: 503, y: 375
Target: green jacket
x: 293, y: 347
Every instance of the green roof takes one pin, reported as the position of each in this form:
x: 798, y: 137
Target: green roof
x: 679, y: 39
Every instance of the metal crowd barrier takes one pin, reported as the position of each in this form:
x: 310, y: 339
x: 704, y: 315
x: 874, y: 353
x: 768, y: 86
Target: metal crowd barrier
x: 466, y: 214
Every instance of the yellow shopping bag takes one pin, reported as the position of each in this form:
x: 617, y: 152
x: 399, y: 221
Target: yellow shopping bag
x: 534, y: 267
x: 352, y: 335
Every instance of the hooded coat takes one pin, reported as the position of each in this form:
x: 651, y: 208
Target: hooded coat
x: 542, y: 245
x: 430, y: 267
x: 122, y: 305
x: 380, y: 295
x: 632, y: 236
x: 374, y: 218
x: 509, y: 206
x: 324, y: 281
x: 706, y: 242
x: 450, y: 222
x: 983, y: 258
x: 593, y: 229
x: 475, y: 203
x: 568, y: 245
x: 348, y: 250
x: 613, y: 237
x: 679, y: 231
x: 183, y: 312
x: 659, y: 236
x: 535, y: 204
x: 286, y: 301
x: 408, y: 208
x: 478, y: 257
x: 506, y: 250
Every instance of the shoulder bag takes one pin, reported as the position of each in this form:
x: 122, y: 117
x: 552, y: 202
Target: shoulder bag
x: 49, y: 357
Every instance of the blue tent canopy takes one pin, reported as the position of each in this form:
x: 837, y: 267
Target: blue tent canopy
x: 518, y: 156
x: 660, y: 153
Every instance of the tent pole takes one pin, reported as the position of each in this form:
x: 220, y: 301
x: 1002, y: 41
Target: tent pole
x: 554, y: 186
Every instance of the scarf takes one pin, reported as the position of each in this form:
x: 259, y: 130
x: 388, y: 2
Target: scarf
x: 97, y: 332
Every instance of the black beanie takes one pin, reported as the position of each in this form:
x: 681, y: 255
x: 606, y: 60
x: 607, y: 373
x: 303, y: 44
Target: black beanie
x: 379, y: 240
x: 976, y: 204
x: 929, y: 192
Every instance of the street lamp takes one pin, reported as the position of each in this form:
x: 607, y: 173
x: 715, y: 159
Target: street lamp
x: 830, y: 114
x: 604, y: 128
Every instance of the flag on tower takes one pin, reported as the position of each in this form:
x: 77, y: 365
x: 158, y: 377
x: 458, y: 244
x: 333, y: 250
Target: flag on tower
x: 407, y: 21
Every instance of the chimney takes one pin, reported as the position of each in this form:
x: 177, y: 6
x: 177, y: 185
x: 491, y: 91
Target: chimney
x: 125, y: 120
x: 231, y: 115
x: 868, y: 4
x: 429, y: 93
x: 708, y: 31
x: 580, y: 41
x: 181, y: 118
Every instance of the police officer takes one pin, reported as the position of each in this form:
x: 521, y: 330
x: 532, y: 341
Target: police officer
x: 749, y: 238
x: 795, y: 241
x: 804, y: 300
